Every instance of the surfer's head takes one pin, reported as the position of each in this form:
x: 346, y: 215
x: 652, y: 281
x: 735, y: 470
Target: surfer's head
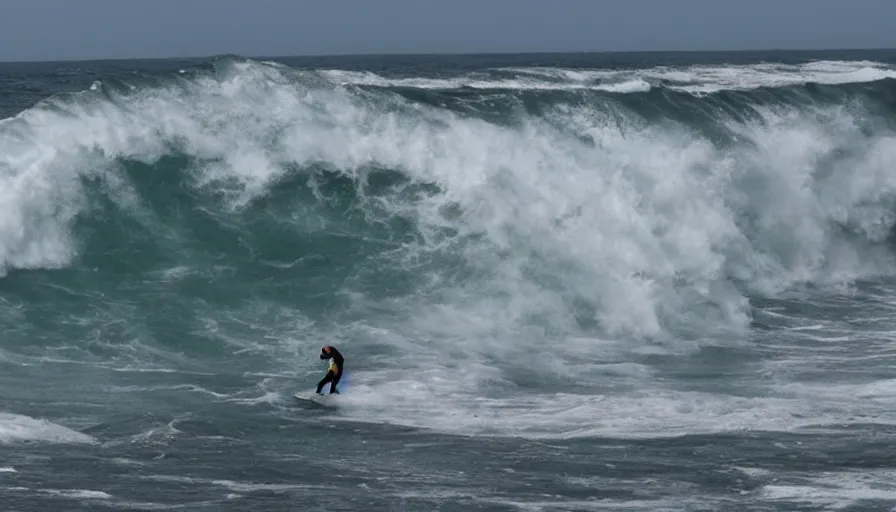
x: 328, y: 352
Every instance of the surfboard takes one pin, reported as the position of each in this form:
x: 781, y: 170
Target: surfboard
x: 314, y: 398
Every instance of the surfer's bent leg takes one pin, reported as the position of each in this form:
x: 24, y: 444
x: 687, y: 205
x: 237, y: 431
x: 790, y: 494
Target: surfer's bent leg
x: 327, y: 378
x: 333, y: 383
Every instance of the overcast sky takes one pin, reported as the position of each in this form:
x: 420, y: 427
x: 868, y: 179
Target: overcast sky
x: 88, y: 29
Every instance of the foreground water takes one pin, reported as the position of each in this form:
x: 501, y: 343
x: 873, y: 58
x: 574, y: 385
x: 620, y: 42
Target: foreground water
x: 561, y: 282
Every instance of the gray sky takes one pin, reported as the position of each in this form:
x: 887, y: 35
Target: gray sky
x: 88, y: 29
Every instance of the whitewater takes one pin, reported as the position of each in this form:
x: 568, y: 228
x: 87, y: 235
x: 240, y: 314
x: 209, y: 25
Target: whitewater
x: 560, y: 282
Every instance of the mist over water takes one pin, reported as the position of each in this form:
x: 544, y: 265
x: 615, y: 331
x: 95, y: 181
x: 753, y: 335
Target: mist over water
x: 532, y: 252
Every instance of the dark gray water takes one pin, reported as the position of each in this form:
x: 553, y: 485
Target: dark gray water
x: 561, y: 282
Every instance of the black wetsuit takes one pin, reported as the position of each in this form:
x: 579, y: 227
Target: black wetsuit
x: 331, y: 377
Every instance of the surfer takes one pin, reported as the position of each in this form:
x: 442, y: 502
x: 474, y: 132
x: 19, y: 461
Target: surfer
x: 334, y: 370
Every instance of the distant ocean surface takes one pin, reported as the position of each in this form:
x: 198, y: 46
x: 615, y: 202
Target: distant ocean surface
x: 640, y: 282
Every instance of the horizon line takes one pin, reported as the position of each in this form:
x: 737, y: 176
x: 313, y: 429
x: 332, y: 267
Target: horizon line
x: 439, y: 54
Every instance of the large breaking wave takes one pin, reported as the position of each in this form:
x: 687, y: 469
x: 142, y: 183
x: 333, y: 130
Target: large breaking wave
x: 473, y: 221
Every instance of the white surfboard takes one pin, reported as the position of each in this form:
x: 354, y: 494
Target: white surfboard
x: 323, y: 400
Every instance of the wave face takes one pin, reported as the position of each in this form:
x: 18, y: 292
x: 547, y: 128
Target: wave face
x: 463, y: 235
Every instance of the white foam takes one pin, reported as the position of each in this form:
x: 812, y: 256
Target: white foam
x: 835, y: 489
x: 541, y: 505
x: 646, y: 413
x: 485, y: 83
x: 75, y: 494
x: 16, y: 428
x: 692, y: 79
x: 78, y: 494
x: 231, y: 485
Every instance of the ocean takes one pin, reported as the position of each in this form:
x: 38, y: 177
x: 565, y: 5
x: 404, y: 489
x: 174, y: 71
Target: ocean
x: 654, y: 281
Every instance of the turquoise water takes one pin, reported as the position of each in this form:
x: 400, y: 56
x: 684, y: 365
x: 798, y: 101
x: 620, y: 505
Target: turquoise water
x: 560, y: 282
